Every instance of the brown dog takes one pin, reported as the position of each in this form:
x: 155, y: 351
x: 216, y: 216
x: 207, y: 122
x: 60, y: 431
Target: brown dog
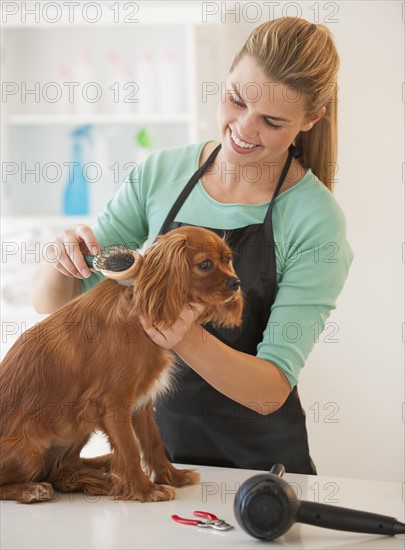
x: 91, y: 366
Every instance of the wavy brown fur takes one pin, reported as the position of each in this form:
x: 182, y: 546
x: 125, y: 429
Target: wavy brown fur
x: 91, y: 366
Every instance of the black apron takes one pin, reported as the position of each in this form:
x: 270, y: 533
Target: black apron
x: 200, y: 425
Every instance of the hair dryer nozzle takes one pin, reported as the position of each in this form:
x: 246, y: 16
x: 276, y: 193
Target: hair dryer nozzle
x: 398, y: 528
x: 266, y: 506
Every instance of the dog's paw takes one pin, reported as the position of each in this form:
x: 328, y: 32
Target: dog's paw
x: 99, y: 486
x: 153, y: 493
x: 36, y: 492
x: 159, y: 493
x: 178, y: 478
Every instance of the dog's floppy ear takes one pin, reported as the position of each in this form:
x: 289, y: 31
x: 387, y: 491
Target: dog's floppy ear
x: 161, y: 288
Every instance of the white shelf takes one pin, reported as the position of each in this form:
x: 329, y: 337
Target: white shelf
x: 35, y: 52
x: 31, y: 119
x: 36, y: 130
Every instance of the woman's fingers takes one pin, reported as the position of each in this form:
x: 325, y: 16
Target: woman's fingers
x: 74, y: 246
x: 169, y: 337
x: 71, y: 258
x: 157, y: 336
x: 87, y: 239
x: 196, y: 308
x: 69, y: 248
x: 64, y: 271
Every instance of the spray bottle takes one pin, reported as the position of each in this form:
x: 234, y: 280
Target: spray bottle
x: 76, y: 193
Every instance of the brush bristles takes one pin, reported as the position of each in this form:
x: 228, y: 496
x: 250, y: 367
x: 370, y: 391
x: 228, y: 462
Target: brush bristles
x: 114, y: 258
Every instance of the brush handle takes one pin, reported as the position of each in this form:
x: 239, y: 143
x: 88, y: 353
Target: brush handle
x: 88, y: 258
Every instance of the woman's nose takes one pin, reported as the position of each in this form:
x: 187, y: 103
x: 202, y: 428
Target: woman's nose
x: 247, y: 128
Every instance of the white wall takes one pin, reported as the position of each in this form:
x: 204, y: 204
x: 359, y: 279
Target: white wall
x: 364, y: 372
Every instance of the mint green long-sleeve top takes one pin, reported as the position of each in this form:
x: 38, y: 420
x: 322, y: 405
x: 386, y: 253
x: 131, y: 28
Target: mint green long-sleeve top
x: 313, y: 255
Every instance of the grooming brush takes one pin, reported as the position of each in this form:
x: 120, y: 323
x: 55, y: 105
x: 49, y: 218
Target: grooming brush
x: 115, y: 262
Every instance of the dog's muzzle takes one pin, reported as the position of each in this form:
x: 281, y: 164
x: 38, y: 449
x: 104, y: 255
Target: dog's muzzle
x: 233, y: 283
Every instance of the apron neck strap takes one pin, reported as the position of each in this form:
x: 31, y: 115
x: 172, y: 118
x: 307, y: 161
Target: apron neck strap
x: 292, y: 152
x: 187, y: 190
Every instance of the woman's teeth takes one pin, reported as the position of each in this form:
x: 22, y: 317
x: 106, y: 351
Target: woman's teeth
x: 240, y: 143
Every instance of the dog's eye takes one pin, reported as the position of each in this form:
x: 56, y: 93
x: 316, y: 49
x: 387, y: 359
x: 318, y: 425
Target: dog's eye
x: 205, y: 265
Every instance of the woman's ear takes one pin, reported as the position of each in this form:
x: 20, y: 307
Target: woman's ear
x: 313, y: 120
x: 161, y: 288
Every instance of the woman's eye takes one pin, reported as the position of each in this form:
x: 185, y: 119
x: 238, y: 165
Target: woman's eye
x: 266, y: 120
x: 235, y: 101
x: 205, y: 265
x: 268, y: 123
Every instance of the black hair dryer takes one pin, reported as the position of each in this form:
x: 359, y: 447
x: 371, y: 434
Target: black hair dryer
x: 266, y: 506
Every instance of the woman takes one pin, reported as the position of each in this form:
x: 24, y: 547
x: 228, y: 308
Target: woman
x: 266, y: 183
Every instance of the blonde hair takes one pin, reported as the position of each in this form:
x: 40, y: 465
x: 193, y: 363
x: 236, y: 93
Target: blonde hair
x: 296, y: 53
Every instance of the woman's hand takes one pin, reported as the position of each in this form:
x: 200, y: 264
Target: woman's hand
x: 69, y: 248
x: 169, y: 338
x: 57, y: 280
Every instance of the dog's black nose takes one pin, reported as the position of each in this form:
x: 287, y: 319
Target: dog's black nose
x: 233, y: 283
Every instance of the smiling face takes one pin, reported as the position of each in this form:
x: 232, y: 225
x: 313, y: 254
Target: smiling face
x: 250, y: 113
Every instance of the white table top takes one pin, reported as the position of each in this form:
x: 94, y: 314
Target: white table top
x: 80, y: 522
